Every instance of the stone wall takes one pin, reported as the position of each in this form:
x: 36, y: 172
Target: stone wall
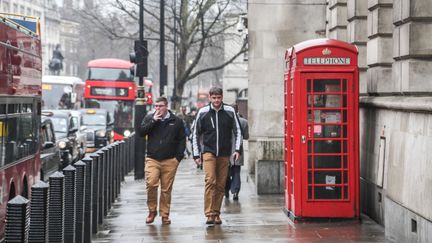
x: 274, y: 26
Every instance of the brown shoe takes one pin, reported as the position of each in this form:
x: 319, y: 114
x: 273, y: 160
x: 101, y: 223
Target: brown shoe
x: 150, y: 218
x: 217, y: 220
x: 166, y: 220
x: 210, y: 219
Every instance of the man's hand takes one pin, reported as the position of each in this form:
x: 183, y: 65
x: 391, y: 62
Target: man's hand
x: 157, y: 116
x: 198, y: 162
x: 236, y: 156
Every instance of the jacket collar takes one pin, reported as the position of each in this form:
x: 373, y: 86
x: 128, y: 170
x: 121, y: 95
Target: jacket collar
x: 221, y: 108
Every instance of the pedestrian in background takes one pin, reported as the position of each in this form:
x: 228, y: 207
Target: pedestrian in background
x: 215, y: 125
x: 233, y: 180
x: 165, y: 150
x: 187, y: 120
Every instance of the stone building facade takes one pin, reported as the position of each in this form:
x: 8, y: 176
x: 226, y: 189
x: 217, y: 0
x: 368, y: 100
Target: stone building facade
x: 395, y: 60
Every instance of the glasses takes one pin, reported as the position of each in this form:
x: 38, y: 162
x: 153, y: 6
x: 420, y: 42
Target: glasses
x: 159, y: 105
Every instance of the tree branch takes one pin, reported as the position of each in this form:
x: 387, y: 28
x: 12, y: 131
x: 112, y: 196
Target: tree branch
x: 242, y: 50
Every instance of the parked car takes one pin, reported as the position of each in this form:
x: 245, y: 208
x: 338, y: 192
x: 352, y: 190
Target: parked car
x: 99, y: 127
x: 65, y: 129
x: 50, y: 152
x: 81, y: 134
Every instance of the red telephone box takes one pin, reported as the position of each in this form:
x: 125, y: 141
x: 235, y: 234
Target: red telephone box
x: 322, y: 130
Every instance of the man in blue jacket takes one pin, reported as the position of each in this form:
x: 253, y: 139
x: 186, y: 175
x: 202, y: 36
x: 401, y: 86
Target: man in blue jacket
x: 215, y: 124
x: 165, y: 150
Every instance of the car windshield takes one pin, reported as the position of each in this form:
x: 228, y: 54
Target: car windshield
x: 120, y: 111
x: 54, y: 96
x: 60, y: 124
x: 93, y: 120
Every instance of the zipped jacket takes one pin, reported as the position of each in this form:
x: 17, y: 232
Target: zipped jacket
x: 213, y: 131
x: 165, y: 138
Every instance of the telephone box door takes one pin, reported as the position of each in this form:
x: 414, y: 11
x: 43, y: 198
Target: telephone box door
x: 327, y: 139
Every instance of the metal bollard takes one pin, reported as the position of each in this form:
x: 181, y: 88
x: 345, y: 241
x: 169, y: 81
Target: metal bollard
x: 126, y: 155
x: 17, y: 220
x: 132, y: 152
x: 123, y: 163
x: 95, y: 204
x: 100, y: 197
x: 79, y: 202
x: 56, y: 207
x: 39, y: 213
x: 88, y: 199
x: 110, y: 175
x: 105, y: 180
x: 70, y: 208
x: 117, y: 171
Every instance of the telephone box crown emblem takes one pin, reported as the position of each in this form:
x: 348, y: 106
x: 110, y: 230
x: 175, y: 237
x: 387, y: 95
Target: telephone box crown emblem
x: 326, y: 51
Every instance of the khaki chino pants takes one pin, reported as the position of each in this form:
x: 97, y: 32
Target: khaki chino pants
x: 163, y: 171
x: 216, y: 172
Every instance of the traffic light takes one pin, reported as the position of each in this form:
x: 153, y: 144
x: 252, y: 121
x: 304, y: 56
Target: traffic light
x: 139, y: 57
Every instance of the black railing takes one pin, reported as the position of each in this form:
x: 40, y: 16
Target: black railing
x: 73, y: 206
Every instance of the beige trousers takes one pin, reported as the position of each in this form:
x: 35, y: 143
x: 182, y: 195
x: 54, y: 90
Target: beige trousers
x: 216, y: 172
x: 163, y: 171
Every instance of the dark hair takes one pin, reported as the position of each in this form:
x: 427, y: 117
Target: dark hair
x: 161, y: 99
x: 215, y: 91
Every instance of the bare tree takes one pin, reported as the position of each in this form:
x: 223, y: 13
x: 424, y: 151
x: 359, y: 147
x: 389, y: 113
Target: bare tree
x: 200, y: 29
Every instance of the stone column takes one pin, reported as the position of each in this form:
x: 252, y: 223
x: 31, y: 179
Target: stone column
x: 337, y: 19
x: 379, y: 48
x: 379, y: 82
x: 357, y: 35
x: 412, y: 69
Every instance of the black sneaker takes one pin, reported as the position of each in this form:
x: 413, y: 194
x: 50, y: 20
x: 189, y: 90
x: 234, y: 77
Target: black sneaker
x: 226, y: 194
x: 210, y: 220
x: 235, y: 196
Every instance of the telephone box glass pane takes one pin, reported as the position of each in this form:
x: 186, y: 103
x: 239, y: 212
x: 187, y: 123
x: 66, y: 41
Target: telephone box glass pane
x: 327, y: 162
x: 326, y: 85
x: 327, y: 177
x: 321, y: 100
x: 327, y: 116
x: 328, y: 192
x: 326, y: 131
x: 327, y: 146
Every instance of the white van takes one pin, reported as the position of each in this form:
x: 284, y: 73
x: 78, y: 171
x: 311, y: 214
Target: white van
x: 62, y: 92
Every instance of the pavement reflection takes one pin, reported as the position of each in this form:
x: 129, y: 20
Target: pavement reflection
x: 254, y: 218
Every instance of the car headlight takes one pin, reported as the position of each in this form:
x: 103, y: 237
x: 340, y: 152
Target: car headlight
x: 112, y: 134
x: 101, y: 133
x: 126, y: 133
x: 62, y: 144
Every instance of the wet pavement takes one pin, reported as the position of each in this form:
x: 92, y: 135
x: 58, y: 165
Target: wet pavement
x: 251, y: 219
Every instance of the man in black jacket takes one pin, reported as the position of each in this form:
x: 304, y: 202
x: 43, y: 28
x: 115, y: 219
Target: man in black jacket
x: 215, y: 125
x: 165, y: 150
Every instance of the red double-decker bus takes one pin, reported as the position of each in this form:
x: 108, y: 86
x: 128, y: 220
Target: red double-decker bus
x: 110, y: 85
x: 20, y: 105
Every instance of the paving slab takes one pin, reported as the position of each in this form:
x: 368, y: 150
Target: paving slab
x: 253, y: 218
